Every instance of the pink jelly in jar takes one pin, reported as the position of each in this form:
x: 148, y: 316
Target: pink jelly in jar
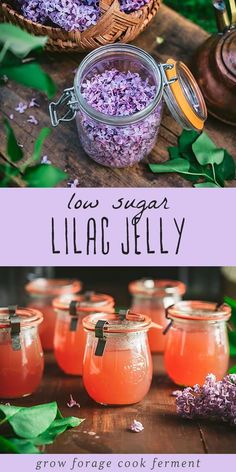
x: 152, y: 297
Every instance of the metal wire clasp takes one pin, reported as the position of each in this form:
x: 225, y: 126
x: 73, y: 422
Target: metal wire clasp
x: 99, y: 333
x: 163, y: 68
x: 15, y: 328
x: 67, y: 99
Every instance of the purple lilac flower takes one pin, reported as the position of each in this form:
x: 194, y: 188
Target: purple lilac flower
x: 21, y: 107
x: 73, y: 183
x: 117, y: 93
x: 33, y: 103
x: 72, y: 403
x: 45, y: 160
x: 11, y: 116
x: 68, y: 14
x: 136, y: 427
x: 214, y: 400
x: 128, y: 6
x: 32, y: 120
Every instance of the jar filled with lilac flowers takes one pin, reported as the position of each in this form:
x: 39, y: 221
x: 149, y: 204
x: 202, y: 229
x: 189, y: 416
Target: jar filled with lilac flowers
x: 117, y: 100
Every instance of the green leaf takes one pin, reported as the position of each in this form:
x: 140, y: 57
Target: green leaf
x: 24, y: 446
x: 232, y: 303
x: 206, y: 184
x: 19, y: 42
x: 31, y: 75
x: 44, y: 175
x: 174, y: 152
x: 186, y: 140
x: 206, y: 151
x: 7, y: 447
x: 13, y: 150
x: 173, y: 165
x: 232, y: 370
x: 57, y: 427
x: 32, y: 421
x: 226, y: 170
x: 37, y: 153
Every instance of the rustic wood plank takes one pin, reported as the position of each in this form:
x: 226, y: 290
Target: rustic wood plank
x: 181, y: 38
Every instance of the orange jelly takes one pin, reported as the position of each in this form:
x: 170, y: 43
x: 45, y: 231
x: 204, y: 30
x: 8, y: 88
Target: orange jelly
x: 152, y: 297
x: 41, y: 293
x: 21, y: 355
x: 70, y: 337
x: 197, y: 342
x: 117, y: 367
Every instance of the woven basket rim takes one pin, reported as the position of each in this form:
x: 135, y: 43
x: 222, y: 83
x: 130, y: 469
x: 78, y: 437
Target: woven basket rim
x: 12, y: 11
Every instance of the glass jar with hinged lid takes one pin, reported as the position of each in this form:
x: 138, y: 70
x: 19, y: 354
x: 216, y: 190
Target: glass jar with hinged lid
x: 117, y: 367
x: 197, y: 343
x: 152, y: 297
x: 70, y: 338
x: 21, y: 355
x: 117, y: 100
x: 40, y: 292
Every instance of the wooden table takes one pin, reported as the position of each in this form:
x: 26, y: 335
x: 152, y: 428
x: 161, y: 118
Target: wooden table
x: 164, y: 431
x: 181, y: 38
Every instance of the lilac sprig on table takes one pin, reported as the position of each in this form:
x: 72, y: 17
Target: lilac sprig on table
x: 215, y: 400
x: 129, y: 6
x: 118, y: 94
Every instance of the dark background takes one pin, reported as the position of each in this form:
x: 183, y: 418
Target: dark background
x: 205, y: 283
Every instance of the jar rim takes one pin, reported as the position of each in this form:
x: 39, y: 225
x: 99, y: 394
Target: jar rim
x: 196, y: 310
x: 100, y: 53
x: 84, y: 302
x: 115, y: 325
x: 28, y: 317
x: 53, y: 287
x: 157, y: 287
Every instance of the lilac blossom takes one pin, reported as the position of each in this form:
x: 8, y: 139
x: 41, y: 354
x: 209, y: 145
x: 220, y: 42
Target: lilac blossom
x: 21, y: 107
x: 32, y: 120
x: 73, y: 183
x: 129, y: 6
x: 33, y: 103
x: 214, y: 400
x: 118, y: 93
x: 72, y: 403
x: 11, y: 116
x: 45, y: 160
x: 136, y: 427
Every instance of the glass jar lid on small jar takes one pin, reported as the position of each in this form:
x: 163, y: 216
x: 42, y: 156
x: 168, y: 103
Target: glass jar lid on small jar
x: 117, y: 101
x: 151, y: 297
x: 117, y: 367
x: 21, y: 356
x: 197, y: 343
x: 70, y: 338
x: 41, y: 292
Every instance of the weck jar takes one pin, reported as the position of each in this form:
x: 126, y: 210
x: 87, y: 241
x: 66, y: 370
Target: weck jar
x: 197, y: 342
x: 21, y: 355
x: 117, y: 100
x: 152, y: 298
x: 41, y: 292
x: 117, y: 367
x: 70, y: 337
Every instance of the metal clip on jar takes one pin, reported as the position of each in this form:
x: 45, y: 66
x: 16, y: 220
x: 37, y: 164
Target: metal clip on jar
x: 70, y: 338
x: 117, y: 140
x: 152, y: 297
x: 117, y: 367
x: 197, y: 342
x: 21, y: 356
x: 41, y: 293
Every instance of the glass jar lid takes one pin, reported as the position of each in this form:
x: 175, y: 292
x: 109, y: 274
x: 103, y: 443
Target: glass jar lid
x: 53, y: 287
x: 122, y: 322
x: 183, y: 96
x: 25, y: 316
x: 154, y: 287
x: 84, y: 302
x: 199, y: 311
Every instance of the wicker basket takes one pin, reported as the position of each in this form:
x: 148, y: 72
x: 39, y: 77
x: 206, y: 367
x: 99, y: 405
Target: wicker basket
x: 114, y: 25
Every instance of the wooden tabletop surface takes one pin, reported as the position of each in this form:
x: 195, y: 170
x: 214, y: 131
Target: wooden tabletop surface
x: 181, y: 38
x: 164, y: 431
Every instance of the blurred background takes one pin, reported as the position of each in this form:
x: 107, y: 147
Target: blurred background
x: 199, y: 11
x: 206, y: 283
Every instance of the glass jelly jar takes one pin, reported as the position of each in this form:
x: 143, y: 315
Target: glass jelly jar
x: 40, y: 295
x: 21, y: 355
x: 70, y: 337
x: 152, y: 297
x: 117, y: 367
x: 123, y: 139
x: 197, y: 342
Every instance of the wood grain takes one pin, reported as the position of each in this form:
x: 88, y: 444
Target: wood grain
x: 181, y: 38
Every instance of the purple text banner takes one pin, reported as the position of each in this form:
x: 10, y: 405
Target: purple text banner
x: 118, y: 463
x: 117, y: 227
